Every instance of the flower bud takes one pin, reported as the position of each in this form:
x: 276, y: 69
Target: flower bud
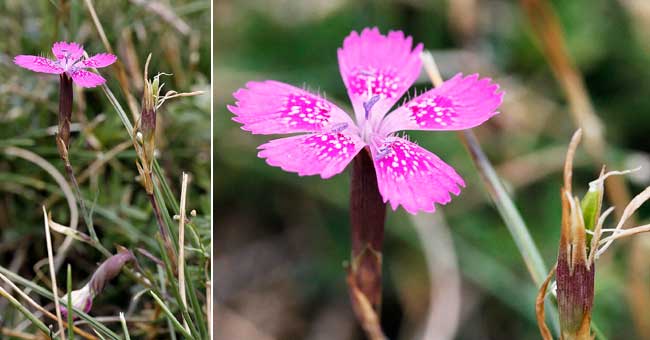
x: 575, y: 274
x: 575, y: 264
x: 108, y: 270
x: 145, y: 134
x: 148, y: 115
x: 82, y: 299
x: 575, y: 269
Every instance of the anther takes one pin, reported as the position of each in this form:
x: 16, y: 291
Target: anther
x: 338, y: 127
x: 382, y: 151
x: 367, y: 106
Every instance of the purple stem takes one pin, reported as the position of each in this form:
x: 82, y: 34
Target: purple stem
x: 367, y: 216
x: 65, y: 110
x: 163, y: 231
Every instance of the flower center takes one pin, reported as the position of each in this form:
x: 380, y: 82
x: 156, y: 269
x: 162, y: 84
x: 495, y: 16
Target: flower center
x: 67, y: 62
x: 367, y: 125
x: 367, y: 106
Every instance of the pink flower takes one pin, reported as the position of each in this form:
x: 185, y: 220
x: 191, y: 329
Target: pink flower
x: 81, y: 299
x: 377, y: 70
x: 69, y: 60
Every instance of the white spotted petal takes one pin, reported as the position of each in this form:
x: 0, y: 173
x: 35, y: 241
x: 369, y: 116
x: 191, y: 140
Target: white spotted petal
x: 413, y: 177
x: 373, y: 64
x: 459, y: 103
x: 272, y: 107
x: 324, y: 154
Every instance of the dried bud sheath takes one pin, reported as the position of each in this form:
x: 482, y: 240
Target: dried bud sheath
x: 367, y: 216
x: 575, y: 278
x: 108, y: 270
x: 575, y: 269
x: 146, y: 127
x: 144, y: 142
x: 65, y: 115
x: 575, y: 294
x: 148, y: 118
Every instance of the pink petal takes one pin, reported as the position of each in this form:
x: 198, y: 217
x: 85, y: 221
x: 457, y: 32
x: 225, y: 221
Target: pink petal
x: 413, y: 177
x: 63, y: 50
x: 84, y: 78
x: 271, y: 107
x: 459, y: 103
x: 98, y: 60
x: 326, y: 154
x: 38, y: 64
x: 384, y: 64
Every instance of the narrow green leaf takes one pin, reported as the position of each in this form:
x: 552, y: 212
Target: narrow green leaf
x: 124, y: 327
x: 48, y: 294
x: 69, y: 304
x: 177, y: 325
x: 38, y: 323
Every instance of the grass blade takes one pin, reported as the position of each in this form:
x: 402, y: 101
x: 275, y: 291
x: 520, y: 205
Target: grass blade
x: 69, y: 303
x: 177, y: 325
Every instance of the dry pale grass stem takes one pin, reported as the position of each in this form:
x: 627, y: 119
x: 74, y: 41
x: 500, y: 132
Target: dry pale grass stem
x: 50, y: 258
x: 181, y: 244
x: 539, y: 307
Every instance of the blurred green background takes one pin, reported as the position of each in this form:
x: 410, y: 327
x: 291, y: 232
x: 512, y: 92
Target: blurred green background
x: 177, y: 34
x: 281, y: 240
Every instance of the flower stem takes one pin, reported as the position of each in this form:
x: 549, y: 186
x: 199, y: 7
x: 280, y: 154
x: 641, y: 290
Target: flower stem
x: 77, y: 191
x: 506, y: 207
x: 367, y: 216
x: 163, y: 229
x: 66, y: 97
x: 511, y: 216
x: 65, y: 112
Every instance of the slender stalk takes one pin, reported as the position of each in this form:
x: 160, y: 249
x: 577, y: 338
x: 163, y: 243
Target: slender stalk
x: 209, y: 307
x: 50, y: 258
x: 500, y: 197
x: 163, y: 229
x: 66, y: 96
x: 511, y: 216
x: 156, y: 212
x: 367, y: 216
x: 169, y: 269
x: 84, y: 212
x: 506, y: 207
x: 69, y: 303
x: 514, y: 221
x: 171, y: 317
x: 125, y: 328
x: 38, y: 323
x: 181, y: 245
